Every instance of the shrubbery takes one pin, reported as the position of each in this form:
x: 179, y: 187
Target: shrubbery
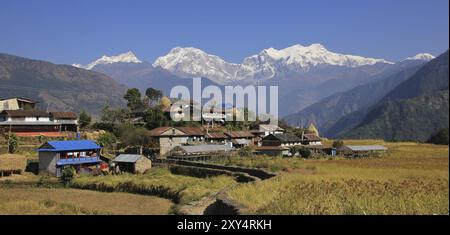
x: 67, y: 175
x: 245, y: 152
x: 305, y: 153
x: 338, y: 143
x: 13, y: 143
x: 440, y: 138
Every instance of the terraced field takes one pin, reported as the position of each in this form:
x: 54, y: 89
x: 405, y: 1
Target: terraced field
x: 410, y: 179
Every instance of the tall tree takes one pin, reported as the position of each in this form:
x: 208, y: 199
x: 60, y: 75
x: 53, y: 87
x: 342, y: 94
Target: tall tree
x: 84, y: 119
x: 153, y: 95
x: 133, y: 98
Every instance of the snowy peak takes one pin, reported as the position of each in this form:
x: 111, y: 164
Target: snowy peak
x: 128, y: 57
x: 189, y: 61
x: 316, y: 54
x: 422, y: 56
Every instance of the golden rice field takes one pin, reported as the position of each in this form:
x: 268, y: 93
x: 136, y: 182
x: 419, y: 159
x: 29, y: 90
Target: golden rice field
x: 61, y: 201
x: 410, y: 178
x: 160, y: 182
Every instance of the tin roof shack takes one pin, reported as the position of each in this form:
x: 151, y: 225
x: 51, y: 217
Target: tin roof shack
x: 133, y: 163
x: 241, y: 138
x: 361, y: 150
x: 81, y: 154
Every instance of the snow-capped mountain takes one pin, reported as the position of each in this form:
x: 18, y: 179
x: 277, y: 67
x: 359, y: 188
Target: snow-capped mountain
x: 191, y: 61
x: 422, y: 56
x: 195, y: 62
x: 127, y: 57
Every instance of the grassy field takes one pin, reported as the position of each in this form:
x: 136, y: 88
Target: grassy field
x: 27, y: 194
x: 178, y: 188
x: 410, y: 178
x: 60, y: 201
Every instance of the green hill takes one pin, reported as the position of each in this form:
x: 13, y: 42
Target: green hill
x: 416, y: 109
x: 58, y: 87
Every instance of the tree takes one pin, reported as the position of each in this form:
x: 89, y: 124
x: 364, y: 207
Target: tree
x: 153, y: 95
x: 338, y: 143
x: 84, y: 119
x: 305, y: 153
x: 106, y: 139
x: 111, y: 116
x: 67, y: 175
x: 130, y: 135
x: 154, y: 117
x: 133, y: 98
x: 165, y: 102
x: 13, y: 143
x: 245, y: 152
x: 440, y: 138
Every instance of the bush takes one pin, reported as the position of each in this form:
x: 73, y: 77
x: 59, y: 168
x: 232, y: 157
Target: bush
x: 440, y: 138
x: 338, y: 143
x: 305, y: 153
x: 13, y: 143
x: 106, y: 139
x: 67, y: 175
x: 245, y: 152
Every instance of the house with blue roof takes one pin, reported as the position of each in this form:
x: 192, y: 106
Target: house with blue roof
x: 54, y: 156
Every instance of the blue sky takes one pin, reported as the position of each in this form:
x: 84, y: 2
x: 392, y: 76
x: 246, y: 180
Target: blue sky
x: 79, y: 31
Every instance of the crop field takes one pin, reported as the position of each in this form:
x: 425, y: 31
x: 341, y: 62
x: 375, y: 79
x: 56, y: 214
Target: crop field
x: 410, y: 178
x: 21, y: 200
x: 160, y: 182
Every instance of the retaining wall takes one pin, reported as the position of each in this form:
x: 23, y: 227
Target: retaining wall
x: 259, y: 173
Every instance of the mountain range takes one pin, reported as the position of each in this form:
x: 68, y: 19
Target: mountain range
x: 304, y: 74
x: 343, y: 95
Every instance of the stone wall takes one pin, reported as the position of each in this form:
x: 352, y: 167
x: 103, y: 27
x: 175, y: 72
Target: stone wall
x: 259, y: 173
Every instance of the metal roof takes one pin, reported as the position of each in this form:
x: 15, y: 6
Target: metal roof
x: 68, y: 145
x: 26, y: 113
x: 20, y: 99
x: 205, y: 148
x: 284, y: 137
x: 240, y: 134
x: 216, y: 135
x: 269, y: 127
x: 311, y: 137
x: 127, y: 158
x: 357, y: 148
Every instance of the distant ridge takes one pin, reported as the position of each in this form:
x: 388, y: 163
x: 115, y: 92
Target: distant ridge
x: 58, y: 87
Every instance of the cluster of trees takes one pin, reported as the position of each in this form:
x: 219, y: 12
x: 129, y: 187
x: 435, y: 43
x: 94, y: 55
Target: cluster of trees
x: 119, y: 123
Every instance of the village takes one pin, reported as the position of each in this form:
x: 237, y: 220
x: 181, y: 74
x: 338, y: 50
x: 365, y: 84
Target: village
x: 204, y: 167
x: 66, y: 148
